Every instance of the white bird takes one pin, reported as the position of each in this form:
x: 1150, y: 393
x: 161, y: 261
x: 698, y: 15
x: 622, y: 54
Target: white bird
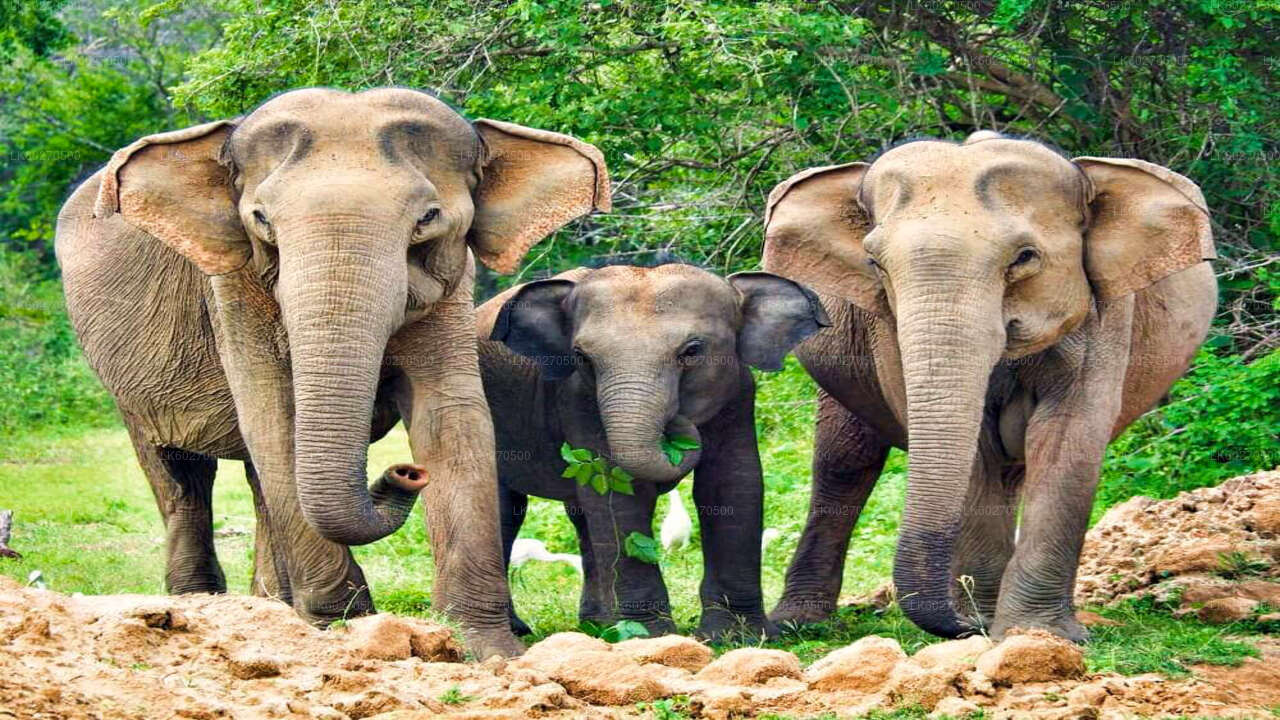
x: 525, y: 549
x: 768, y: 536
x: 676, y: 526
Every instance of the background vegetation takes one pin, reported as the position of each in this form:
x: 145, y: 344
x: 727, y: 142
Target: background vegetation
x: 700, y: 106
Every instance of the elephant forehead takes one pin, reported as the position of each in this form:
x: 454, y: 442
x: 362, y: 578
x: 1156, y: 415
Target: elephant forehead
x: 667, y: 290
x: 990, y: 175
x: 324, y: 120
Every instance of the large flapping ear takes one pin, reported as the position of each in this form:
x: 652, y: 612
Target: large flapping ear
x: 173, y: 187
x: 532, y: 183
x: 777, y: 314
x: 1146, y: 223
x: 813, y: 231
x: 535, y: 323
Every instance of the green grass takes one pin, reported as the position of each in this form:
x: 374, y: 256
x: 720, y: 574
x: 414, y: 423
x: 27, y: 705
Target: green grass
x: 86, y: 520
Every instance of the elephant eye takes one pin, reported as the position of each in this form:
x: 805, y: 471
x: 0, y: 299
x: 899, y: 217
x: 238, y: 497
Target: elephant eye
x: 1024, y: 257
x: 430, y: 215
x: 260, y: 217
x: 692, y: 349
x: 581, y: 360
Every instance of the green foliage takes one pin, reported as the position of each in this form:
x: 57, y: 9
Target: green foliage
x: 642, y: 547
x: 1236, y: 564
x: 1222, y: 419
x: 676, y: 446
x: 617, y: 632
x: 46, y: 380
x: 672, y: 708
x: 587, y: 468
x: 454, y: 696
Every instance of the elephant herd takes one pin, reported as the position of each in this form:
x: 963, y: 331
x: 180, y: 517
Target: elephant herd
x: 282, y: 288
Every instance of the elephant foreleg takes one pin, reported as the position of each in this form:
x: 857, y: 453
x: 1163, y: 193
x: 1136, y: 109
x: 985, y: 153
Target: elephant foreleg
x: 182, y: 483
x: 324, y: 581
x: 728, y: 491
x: 451, y: 434
x: 594, y: 606
x: 986, y: 536
x: 847, y: 459
x: 1066, y: 438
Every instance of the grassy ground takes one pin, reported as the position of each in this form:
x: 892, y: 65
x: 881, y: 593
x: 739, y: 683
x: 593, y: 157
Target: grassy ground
x: 87, y: 523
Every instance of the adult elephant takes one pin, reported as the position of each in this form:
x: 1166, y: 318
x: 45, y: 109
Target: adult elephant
x: 248, y: 289
x: 1005, y: 312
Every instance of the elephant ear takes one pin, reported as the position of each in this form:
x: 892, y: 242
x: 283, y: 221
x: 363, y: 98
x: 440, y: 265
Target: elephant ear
x: 532, y: 183
x: 814, y: 228
x: 777, y: 314
x: 535, y: 323
x: 174, y: 187
x: 1146, y: 223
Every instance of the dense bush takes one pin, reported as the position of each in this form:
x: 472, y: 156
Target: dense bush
x: 1222, y: 419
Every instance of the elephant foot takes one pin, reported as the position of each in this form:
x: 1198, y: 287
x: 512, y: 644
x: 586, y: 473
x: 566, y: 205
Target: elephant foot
x: 1065, y: 626
x: 410, y: 478
x: 721, y: 625
x: 323, y: 611
x: 485, y: 643
x: 795, y: 612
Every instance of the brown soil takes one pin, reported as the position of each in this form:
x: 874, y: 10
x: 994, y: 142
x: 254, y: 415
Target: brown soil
x: 131, y: 656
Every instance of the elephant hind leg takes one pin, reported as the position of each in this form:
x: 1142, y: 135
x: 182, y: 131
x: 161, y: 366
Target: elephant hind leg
x: 270, y: 557
x: 847, y: 459
x: 182, y: 483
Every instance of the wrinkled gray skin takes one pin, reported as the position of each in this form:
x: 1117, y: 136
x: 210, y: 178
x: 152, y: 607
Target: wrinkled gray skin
x: 1004, y: 312
x: 247, y: 289
x: 613, y: 359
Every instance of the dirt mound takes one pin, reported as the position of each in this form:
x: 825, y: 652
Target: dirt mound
x: 130, y: 656
x: 1213, y: 551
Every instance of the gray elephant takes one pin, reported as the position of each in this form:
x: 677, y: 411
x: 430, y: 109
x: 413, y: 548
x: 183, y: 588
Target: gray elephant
x: 1004, y: 312
x: 281, y: 289
x: 611, y: 361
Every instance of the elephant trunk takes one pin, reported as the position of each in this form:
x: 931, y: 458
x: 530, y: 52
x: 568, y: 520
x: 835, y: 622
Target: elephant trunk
x: 949, y: 347
x: 637, y: 411
x: 341, y: 293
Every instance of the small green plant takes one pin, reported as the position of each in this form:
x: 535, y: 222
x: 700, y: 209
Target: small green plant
x: 454, y: 696
x: 339, y: 624
x: 617, y: 632
x: 1236, y: 564
x: 676, y: 446
x: 672, y: 708
x: 588, y: 468
x: 642, y: 547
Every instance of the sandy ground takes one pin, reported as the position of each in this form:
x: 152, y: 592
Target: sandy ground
x: 132, y: 656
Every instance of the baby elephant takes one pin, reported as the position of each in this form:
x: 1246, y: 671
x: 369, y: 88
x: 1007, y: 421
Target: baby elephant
x: 613, y: 361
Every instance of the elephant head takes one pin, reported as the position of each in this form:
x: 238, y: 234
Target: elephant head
x: 356, y: 212
x: 656, y: 351
x: 979, y: 252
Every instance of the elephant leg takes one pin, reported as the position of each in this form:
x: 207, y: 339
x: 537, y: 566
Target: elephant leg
x: 324, y: 582
x: 441, y: 398
x: 847, y: 459
x: 270, y: 566
x: 986, y: 538
x: 512, y: 506
x: 728, y: 492
x: 630, y: 589
x: 1066, y: 438
x: 594, y: 606
x: 182, y: 483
